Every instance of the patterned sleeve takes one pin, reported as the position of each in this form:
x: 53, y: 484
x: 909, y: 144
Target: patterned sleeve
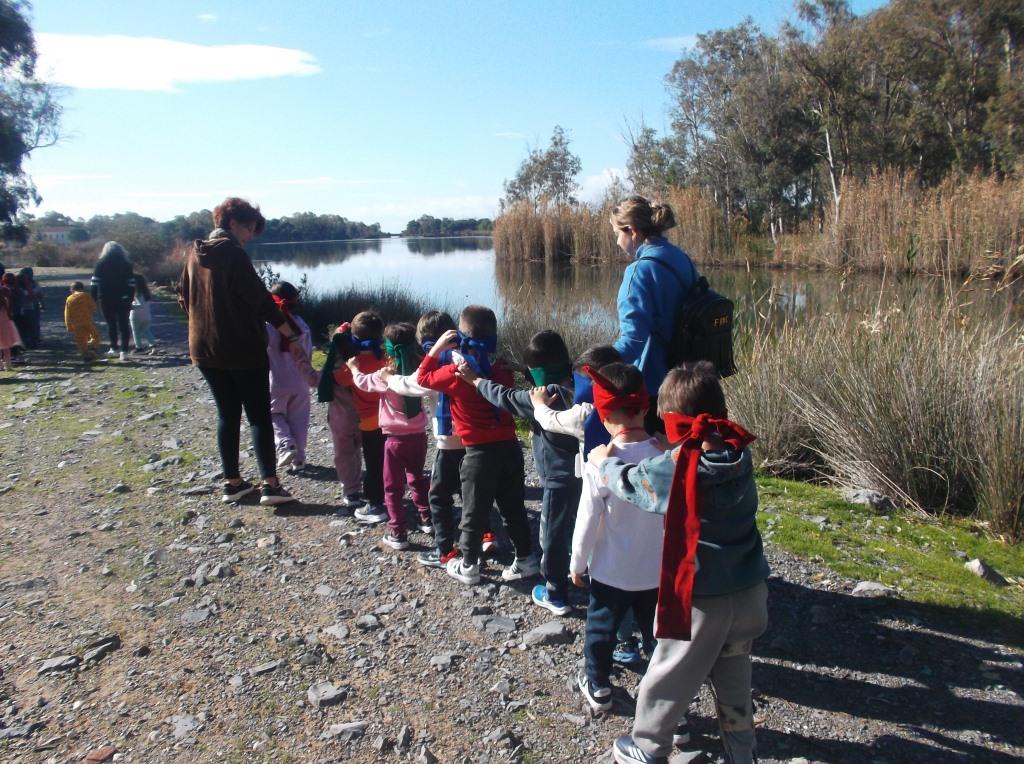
x: 645, y: 485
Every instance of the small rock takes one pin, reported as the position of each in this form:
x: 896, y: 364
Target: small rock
x: 184, y: 725
x: 494, y: 624
x: 502, y: 688
x: 120, y: 488
x: 873, y: 499
x: 263, y: 543
x: 153, y: 558
x: 872, y: 589
x: 579, y: 721
x: 550, y: 633
x: 324, y: 590
x: 324, y: 694
x: 338, y: 631
x: 368, y: 622
x: 404, y: 738
x: 425, y: 756
x: 59, y: 664
x: 100, y: 755
x: 983, y: 570
x: 443, y: 662
x: 195, y: 616
x: 265, y: 668
x: 100, y: 648
x: 21, y: 730
x: 347, y: 731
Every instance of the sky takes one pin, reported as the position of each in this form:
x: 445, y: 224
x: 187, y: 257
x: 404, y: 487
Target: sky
x: 378, y: 111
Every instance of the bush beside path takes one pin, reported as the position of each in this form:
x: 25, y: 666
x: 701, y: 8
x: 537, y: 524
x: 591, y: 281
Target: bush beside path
x: 139, y: 614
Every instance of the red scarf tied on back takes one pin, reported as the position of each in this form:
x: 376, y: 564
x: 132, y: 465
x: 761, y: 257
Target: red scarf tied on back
x: 608, y: 399
x: 285, y: 307
x: 682, y: 519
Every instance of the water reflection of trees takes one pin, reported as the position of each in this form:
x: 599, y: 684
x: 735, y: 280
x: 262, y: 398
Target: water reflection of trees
x: 315, y: 253
x: 444, y: 245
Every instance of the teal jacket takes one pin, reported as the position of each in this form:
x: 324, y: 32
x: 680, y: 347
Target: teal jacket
x: 648, y: 300
x: 730, y: 555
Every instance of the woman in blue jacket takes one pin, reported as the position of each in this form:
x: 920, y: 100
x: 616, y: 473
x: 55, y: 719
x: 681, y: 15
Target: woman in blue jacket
x: 652, y: 289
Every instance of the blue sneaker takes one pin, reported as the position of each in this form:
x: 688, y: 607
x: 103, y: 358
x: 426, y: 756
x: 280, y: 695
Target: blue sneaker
x: 626, y: 653
x: 542, y: 597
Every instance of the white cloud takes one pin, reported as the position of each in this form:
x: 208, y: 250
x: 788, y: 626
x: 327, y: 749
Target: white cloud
x: 208, y: 18
x: 672, y: 44
x: 117, y: 62
x: 592, y: 187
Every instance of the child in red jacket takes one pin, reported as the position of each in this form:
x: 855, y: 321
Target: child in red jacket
x: 492, y: 470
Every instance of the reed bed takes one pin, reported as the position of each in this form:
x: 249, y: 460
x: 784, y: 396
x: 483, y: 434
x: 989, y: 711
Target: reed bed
x: 324, y: 311
x: 886, y: 222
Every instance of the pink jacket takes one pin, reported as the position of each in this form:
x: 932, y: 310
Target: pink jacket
x: 393, y: 420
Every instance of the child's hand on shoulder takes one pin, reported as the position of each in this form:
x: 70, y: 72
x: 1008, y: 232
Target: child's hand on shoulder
x: 353, y: 363
x: 541, y: 397
x: 384, y: 372
x: 598, y: 454
x: 465, y: 371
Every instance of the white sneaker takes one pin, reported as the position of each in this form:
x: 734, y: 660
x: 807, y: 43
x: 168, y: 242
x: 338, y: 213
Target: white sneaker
x: 123, y: 356
x: 466, y: 574
x: 111, y: 352
x: 521, y: 567
x: 287, y: 457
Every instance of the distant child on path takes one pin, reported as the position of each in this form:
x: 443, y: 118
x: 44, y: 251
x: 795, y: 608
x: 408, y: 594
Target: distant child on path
x: 290, y: 380
x: 9, y: 336
x: 404, y: 424
x: 141, y: 316
x: 554, y: 455
x: 79, y: 312
x: 713, y: 600
x: 492, y: 470
x: 617, y: 542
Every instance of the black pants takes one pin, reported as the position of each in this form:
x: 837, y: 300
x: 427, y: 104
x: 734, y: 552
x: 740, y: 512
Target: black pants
x: 233, y: 390
x: 116, y: 313
x: 445, y: 482
x: 373, y: 462
x: 557, y: 521
x: 608, y: 605
x: 490, y: 473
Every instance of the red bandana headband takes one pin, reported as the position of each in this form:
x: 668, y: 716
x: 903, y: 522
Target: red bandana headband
x: 607, y: 398
x: 682, y: 518
x: 285, y: 307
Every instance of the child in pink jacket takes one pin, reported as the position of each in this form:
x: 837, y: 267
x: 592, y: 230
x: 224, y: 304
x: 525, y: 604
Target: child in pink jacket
x: 404, y: 423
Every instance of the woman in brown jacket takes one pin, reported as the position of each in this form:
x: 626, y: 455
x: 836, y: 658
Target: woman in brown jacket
x: 227, y: 305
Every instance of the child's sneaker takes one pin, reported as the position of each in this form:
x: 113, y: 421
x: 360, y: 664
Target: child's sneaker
x: 234, y: 492
x: 353, y: 500
x: 681, y: 737
x: 541, y: 596
x: 296, y: 467
x: 626, y: 751
x: 272, y: 495
x: 434, y: 559
x: 371, y: 514
x: 489, y: 542
x: 460, y: 571
x: 287, y: 457
x: 122, y: 356
x: 626, y: 653
x: 112, y: 352
x: 521, y: 567
x: 397, y: 541
x: 599, y: 698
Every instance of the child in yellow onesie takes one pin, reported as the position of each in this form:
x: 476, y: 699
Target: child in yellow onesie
x: 79, y: 310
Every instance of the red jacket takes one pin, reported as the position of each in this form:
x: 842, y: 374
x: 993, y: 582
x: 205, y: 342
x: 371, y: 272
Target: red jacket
x: 367, y: 404
x: 475, y: 420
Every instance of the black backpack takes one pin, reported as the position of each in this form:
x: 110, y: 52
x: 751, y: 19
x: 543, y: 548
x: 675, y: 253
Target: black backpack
x: 703, y: 326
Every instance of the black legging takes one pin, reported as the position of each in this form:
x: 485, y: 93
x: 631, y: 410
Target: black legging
x: 232, y: 391
x: 115, y: 313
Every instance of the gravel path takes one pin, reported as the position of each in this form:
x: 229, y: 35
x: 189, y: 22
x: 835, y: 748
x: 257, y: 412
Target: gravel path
x: 138, y: 614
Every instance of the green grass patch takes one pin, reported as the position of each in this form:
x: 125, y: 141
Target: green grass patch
x: 907, y: 551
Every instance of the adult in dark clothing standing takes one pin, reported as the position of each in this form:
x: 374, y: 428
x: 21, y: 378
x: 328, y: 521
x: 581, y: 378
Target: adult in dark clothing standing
x: 112, y: 285
x: 227, y: 305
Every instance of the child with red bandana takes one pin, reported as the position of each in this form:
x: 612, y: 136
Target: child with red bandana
x: 290, y: 380
x: 616, y: 542
x: 712, y: 600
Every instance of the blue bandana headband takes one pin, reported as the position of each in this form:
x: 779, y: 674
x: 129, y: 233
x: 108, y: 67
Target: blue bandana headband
x: 477, y: 352
x: 371, y: 345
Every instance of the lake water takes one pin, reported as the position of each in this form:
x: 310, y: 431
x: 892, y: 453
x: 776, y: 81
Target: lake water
x: 453, y: 272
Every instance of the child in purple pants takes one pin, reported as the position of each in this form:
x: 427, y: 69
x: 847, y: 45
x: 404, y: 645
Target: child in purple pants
x: 404, y: 423
x: 290, y: 381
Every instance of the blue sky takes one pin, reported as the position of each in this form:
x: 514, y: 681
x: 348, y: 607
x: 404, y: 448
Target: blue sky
x: 378, y: 111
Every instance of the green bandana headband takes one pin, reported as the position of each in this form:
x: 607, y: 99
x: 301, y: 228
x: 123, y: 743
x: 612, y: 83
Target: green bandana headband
x: 549, y: 375
x: 405, y: 363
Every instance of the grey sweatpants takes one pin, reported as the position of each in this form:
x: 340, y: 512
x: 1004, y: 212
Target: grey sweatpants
x: 721, y: 637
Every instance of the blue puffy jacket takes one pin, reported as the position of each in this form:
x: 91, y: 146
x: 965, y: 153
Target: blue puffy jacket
x: 648, y: 299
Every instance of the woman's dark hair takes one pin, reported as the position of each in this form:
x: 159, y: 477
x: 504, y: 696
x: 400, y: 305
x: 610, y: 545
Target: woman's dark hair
x: 368, y: 325
x: 240, y: 211
x: 142, y: 287
x: 479, y: 321
x: 597, y: 357
x: 77, y: 286
x: 285, y: 290
x: 432, y: 325
x: 692, y: 388
x: 624, y: 377
x: 546, y: 348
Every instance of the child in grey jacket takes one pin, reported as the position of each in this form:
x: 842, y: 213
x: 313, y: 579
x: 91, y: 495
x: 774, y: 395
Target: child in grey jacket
x: 712, y: 599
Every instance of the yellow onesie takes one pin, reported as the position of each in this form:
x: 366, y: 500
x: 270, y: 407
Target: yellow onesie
x: 78, y: 317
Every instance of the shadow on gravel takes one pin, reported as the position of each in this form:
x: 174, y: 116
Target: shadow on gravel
x: 299, y: 509
x: 318, y: 473
x: 923, y: 650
